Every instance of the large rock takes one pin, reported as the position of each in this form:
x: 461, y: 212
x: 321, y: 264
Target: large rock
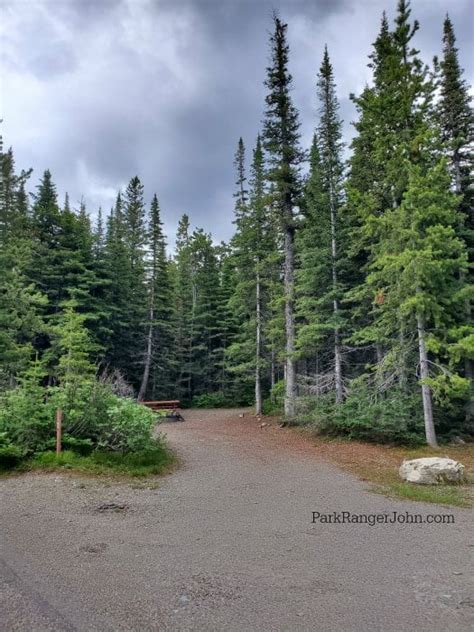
x: 431, y: 471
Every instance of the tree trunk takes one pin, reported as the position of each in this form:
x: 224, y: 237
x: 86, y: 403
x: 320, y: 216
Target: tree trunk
x: 148, y: 354
x: 290, y: 373
x: 425, y: 389
x: 272, y: 376
x: 337, y: 338
x: 258, y: 317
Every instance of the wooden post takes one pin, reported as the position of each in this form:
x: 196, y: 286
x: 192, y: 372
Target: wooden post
x: 59, y: 423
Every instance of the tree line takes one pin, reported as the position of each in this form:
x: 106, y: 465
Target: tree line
x: 344, y: 294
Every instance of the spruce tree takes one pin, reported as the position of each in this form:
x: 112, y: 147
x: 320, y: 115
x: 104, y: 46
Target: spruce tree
x: 133, y: 228
x: 158, y: 361
x: 241, y: 194
x: 457, y: 124
x: 251, y: 248
x: 417, y: 264
x: 330, y: 147
x: 21, y: 304
x: 118, y: 290
x: 281, y: 141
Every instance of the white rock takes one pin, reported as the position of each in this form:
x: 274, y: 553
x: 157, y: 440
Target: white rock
x: 432, y: 470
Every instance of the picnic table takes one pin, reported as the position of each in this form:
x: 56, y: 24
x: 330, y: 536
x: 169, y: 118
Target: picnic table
x: 170, y: 405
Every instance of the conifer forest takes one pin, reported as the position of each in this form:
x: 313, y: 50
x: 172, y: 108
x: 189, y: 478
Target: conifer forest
x: 342, y: 300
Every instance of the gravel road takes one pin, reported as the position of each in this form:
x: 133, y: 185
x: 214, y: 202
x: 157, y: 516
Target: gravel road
x: 226, y: 543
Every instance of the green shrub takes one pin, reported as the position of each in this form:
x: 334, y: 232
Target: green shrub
x: 85, y: 407
x: 10, y: 455
x: 127, y: 427
x: 152, y: 461
x: 273, y: 405
x: 395, y: 418
x: 26, y: 417
x: 212, y: 400
x: 93, y: 418
x: 79, y: 446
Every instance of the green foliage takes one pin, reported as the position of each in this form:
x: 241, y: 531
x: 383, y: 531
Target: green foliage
x: 368, y: 267
x: 212, y: 400
x: 10, y: 455
x: 395, y: 418
x: 26, y: 415
x: 127, y: 427
x: 69, y: 443
x: 152, y: 461
x: 273, y: 405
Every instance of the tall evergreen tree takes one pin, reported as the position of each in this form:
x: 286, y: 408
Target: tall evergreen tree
x: 252, y: 246
x: 134, y: 238
x: 21, y: 304
x: 330, y: 147
x: 241, y: 194
x: 184, y: 307
x: 456, y: 118
x: 457, y: 125
x: 118, y: 292
x: 417, y: 264
x: 157, y: 358
x: 281, y: 141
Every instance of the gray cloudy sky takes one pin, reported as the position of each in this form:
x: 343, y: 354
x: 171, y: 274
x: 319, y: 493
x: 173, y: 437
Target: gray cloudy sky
x: 100, y: 90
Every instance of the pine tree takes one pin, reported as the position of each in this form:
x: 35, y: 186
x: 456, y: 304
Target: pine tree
x: 251, y: 245
x: 314, y: 278
x: 205, y: 326
x: 118, y: 290
x: 184, y: 307
x: 397, y: 136
x: 21, y: 303
x: 330, y: 146
x: 75, y: 346
x: 417, y: 264
x: 232, y: 388
x: 131, y: 225
x: 457, y: 124
x: 456, y: 118
x: 241, y: 194
x: 281, y: 141
x: 158, y: 360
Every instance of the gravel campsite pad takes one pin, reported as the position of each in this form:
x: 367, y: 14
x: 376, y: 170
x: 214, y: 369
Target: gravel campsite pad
x: 226, y: 542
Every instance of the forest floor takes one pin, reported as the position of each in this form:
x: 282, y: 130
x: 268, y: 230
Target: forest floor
x: 379, y: 464
x: 227, y: 542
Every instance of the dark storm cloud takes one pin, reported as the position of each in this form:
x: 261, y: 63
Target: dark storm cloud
x: 99, y: 91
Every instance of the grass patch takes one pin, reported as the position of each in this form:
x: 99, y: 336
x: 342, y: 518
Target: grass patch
x: 156, y: 460
x: 452, y: 495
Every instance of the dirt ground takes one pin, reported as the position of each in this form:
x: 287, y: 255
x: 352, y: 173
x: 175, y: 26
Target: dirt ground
x: 227, y: 542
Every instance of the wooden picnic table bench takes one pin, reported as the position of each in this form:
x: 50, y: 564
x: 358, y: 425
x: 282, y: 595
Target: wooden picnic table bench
x: 171, y: 405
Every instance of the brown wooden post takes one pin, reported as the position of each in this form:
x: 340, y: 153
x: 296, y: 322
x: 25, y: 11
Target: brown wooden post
x: 59, y: 423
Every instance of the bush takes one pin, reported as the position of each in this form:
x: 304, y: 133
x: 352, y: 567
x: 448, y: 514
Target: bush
x: 154, y: 460
x: 273, y: 405
x: 80, y: 446
x: 212, y: 400
x: 127, y: 427
x: 10, y: 455
x: 396, y: 418
x: 93, y: 419
x: 26, y: 418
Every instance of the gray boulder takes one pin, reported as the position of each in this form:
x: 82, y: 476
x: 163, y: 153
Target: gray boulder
x: 432, y: 470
